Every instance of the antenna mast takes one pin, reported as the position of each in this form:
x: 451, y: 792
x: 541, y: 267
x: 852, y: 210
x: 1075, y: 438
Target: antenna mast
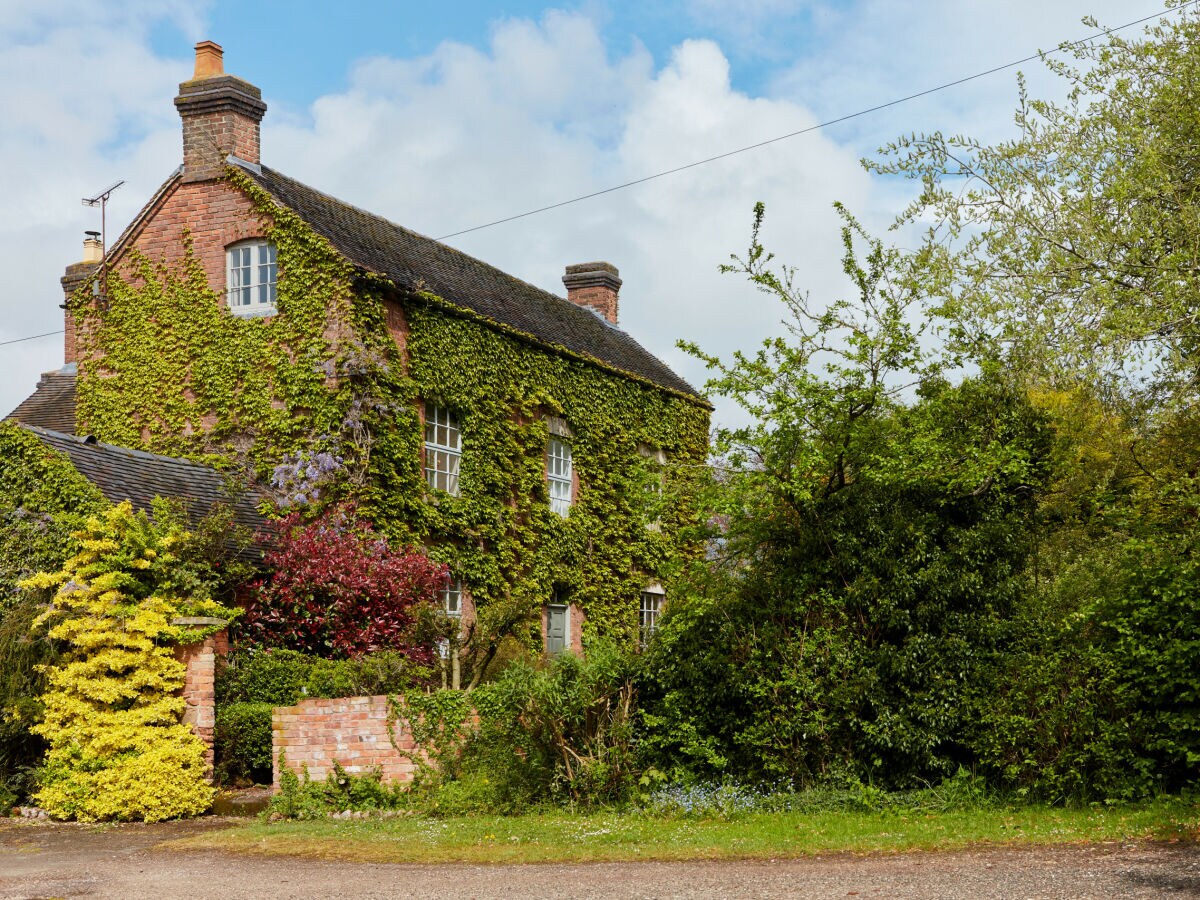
x: 101, y: 200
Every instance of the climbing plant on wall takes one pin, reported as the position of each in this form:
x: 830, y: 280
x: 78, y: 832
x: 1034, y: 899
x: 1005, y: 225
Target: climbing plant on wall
x: 167, y: 367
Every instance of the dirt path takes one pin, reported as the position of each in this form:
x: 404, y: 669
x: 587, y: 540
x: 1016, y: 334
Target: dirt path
x: 48, y: 860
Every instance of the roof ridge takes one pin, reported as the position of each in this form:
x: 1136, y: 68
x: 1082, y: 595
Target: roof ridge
x: 455, y: 250
x: 90, y: 441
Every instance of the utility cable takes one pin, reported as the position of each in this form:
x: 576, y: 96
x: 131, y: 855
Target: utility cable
x: 783, y: 137
x: 30, y: 337
x: 810, y: 128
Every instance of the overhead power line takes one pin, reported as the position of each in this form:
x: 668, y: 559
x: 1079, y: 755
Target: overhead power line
x: 30, y: 337
x: 809, y: 129
x: 769, y: 141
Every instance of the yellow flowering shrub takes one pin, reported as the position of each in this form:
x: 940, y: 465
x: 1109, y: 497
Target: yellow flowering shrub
x: 117, y: 747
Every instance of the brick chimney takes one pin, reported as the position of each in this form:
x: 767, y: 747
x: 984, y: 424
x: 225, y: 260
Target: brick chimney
x: 594, y: 285
x: 221, y: 116
x: 76, y: 275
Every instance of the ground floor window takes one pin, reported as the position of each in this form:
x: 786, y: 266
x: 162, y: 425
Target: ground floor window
x: 558, y: 625
x: 648, y: 615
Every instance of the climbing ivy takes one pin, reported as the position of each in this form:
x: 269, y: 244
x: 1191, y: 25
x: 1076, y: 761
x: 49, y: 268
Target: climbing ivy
x: 43, y: 501
x: 166, y: 367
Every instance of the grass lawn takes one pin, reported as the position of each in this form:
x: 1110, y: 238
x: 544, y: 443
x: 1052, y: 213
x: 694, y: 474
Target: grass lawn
x: 608, y: 836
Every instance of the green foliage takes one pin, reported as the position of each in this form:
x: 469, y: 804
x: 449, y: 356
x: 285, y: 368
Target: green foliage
x: 166, y: 367
x: 242, y: 743
x: 300, y: 797
x: 871, y: 547
x: 22, y: 658
x: 564, y: 731
x: 43, y: 501
x: 284, y: 677
x: 117, y: 748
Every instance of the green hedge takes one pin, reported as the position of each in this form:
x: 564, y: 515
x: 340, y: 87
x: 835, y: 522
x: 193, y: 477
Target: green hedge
x: 243, y: 742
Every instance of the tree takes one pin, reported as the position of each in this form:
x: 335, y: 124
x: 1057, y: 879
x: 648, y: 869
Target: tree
x: 1075, y: 246
x: 112, y: 708
x: 876, y: 522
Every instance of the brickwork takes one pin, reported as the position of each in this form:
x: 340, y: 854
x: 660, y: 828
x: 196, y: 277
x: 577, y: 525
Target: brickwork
x: 351, y: 731
x: 595, y: 285
x: 221, y: 116
x: 397, y: 326
x: 215, y: 213
x: 74, y: 278
x: 199, y: 687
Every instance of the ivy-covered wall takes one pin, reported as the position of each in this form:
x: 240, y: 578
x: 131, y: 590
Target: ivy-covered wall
x: 166, y: 367
x: 43, y: 501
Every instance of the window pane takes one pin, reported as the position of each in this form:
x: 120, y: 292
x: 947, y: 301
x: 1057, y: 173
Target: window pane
x: 251, y: 279
x: 443, y: 441
x: 559, y: 475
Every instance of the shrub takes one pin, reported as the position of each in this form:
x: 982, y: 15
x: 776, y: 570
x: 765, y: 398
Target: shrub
x: 117, y: 747
x: 242, y: 743
x: 300, y: 797
x: 338, y: 589
x: 564, y: 731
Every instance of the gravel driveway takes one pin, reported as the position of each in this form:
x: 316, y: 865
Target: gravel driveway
x: 53, y: 860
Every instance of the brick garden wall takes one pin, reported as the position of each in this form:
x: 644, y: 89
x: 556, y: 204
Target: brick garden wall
x: 351, y: 731
x: 199, y: 687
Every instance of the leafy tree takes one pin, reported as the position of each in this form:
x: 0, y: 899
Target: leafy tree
x: 876, y: 522
x: 337, y: 588
x: 1076, y: 244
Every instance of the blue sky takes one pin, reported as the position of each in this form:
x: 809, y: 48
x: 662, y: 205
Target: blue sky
x: 446, y: 116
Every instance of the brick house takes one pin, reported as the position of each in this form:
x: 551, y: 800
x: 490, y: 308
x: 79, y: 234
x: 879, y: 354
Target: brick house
x: 485, y: 379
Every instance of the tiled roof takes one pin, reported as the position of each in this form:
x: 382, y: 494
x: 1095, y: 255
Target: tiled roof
x: 123, y: 474
x: 414, y: 262
x: 52, y: 403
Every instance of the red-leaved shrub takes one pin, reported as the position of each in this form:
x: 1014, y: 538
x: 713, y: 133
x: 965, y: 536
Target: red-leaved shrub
x: 337, y: 588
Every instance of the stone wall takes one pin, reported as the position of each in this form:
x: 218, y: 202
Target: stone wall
x: 351, y: 731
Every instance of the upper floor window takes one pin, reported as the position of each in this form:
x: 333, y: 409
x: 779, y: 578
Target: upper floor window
x: 560, y: 474
x: 443, y: 449
x: 251, y: 275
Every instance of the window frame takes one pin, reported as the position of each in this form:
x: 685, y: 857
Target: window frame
x: 438, y: 415
x: 263, y: 275
x: 560, y: 475
x: 452, y: 587
x: 646, y: 629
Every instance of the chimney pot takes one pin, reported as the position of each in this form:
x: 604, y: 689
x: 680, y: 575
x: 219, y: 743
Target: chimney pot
x: 93, y: 250
x: 209, y: 60
x: 594, y: 285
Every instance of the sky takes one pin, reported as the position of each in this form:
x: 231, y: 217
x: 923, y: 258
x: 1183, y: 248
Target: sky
x: 447, y: 116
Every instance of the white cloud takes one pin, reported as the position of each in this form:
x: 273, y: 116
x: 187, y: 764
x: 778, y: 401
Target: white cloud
x: 546, y: 111
x: 462, y: 137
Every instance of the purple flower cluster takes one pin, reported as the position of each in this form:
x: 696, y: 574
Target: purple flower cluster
x: 300, y: 478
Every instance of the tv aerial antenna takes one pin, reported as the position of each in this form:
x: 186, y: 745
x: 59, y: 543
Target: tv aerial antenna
x: 101, y: 200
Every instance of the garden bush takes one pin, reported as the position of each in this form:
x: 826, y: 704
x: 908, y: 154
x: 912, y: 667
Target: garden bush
x: 559, y: 731
x: 242, y: 743
x: 112, y: 706
x: 300, y: 797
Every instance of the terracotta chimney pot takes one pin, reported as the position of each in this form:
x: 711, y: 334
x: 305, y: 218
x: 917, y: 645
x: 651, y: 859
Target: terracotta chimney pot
x: 209, y: 60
